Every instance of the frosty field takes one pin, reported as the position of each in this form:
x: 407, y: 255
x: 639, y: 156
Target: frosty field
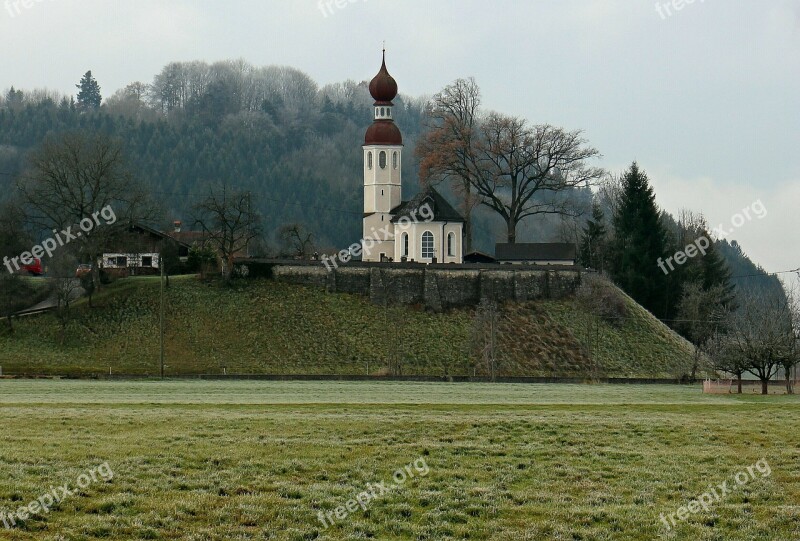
x: 210, y: 460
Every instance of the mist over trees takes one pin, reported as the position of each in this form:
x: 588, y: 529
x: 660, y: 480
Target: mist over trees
x: 268, y: 130
x: 271, y: 131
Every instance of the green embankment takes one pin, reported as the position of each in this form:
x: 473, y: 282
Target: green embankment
x: 265, y: 327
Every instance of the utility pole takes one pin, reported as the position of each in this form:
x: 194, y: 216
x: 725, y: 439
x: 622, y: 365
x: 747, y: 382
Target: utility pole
x: 161, y: 318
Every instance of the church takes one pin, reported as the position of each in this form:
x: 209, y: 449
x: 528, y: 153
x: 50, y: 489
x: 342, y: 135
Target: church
x: 426, y: 229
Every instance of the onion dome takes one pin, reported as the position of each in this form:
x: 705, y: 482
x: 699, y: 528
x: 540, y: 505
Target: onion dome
x: 383, y: 132
x: 383, y: 87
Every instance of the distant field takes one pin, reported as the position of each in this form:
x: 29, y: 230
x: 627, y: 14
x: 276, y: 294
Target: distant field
x: 204, y: 460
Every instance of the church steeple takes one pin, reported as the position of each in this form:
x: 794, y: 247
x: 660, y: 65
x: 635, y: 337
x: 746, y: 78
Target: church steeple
x: 383, y: 147
x: 383, y: 89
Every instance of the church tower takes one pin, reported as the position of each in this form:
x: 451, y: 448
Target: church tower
x: 383, y: 147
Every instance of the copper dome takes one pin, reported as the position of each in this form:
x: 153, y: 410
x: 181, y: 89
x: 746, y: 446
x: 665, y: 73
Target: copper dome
x: 383, y: 132
x: 383, y: 87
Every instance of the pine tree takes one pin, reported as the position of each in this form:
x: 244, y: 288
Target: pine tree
x: 639, y: 242
x: 89, y: 97
x: 593, y: 240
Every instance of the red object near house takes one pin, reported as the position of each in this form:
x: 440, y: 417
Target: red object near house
x: 34, y: 268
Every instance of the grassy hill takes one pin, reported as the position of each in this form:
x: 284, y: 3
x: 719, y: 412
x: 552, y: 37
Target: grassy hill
x: 265, y: 327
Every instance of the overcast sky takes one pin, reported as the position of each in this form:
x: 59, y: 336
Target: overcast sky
x: 705, y: 97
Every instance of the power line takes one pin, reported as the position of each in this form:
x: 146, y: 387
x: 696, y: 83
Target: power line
x: 765, y: 273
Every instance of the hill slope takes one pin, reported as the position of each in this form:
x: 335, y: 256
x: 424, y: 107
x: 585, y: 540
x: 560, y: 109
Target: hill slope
x: 265, y: 327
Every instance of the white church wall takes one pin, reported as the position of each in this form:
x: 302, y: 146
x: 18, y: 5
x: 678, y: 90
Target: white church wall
x: 379, y: 234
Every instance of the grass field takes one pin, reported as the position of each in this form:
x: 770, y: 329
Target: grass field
x: 204, y: 460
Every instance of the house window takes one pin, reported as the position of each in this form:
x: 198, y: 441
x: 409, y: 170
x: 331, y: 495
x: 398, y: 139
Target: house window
x: 147, y: 261
x: 451, y: 244
x: 427, y: 245
x: 394, y: 159
x: 404, y: 245
x: 369, y: 160
x: 382, y: 159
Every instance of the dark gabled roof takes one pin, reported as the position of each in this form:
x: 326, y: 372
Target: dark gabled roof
x: 478, y: 257
x: 442, y: 210
x: 154, y: 232
x: 536, y: 251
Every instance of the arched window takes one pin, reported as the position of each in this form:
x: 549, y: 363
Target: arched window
x: 376, y: 111
x: 451, y: 244
x: 382, y: 111
x: 404, y: 245
x: 394, y: 159
x: 369, y: 160
x: 382, y: 159
x: 427, y: 245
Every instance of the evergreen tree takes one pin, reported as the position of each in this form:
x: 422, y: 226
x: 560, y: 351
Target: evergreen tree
x: 593, y: 240
x: 15, y: 98
x: 639, y: 242
x: 711, y: 271
x: 89, y: 97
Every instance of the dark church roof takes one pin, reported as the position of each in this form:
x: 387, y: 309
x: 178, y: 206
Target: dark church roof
x: 442, y: 210
x: 383, y: 132
x: 536, y: 251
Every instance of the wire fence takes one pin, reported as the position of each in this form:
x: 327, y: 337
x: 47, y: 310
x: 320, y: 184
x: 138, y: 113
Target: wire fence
x: 749, y: 386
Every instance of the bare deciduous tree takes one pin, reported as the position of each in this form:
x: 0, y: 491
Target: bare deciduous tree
x: 701, y: 314
x: 229, y: 223
x: 513, y: 168
x: 74, y: 177
x: 761, y: 331
x: 525, y: 171
x: 790, y: 361
x: 447, y: 150
x: 66, y: 288
x: 295, y: 241
x: 486, y: 324
x: 725, y: 357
